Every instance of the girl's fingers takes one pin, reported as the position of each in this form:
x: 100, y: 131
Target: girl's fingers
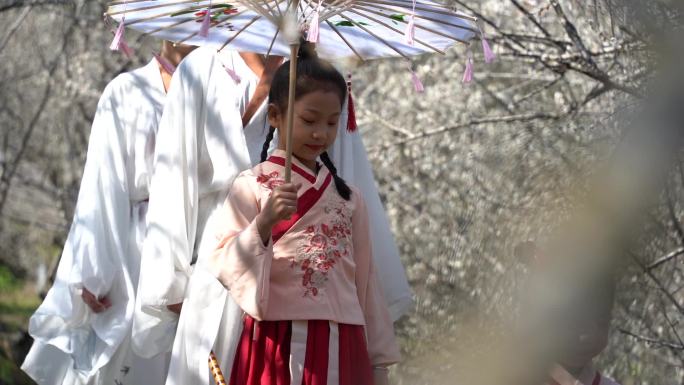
x: 288, y: 206
x: 289, y: 187
x: 285, y: 193
x: 289, y: 196
x: 285, y: 212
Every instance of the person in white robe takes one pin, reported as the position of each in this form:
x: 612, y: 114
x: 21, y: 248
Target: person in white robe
x: 201, y: 149
x: 82, y: 329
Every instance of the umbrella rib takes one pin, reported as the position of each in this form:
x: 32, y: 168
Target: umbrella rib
x: 167, y: 27
x: 239, y: 32
x: 268, y: 4
x: 147, y: 8
x: 407, y: 10
x: 421, y: 5
x: 157, y: 16
x: 224, y: 21
x: 301, y: 8
x: 312, y: 5
x: 289, y: 5
x: 259, y: 11
x: 376, y: 37
x: 418, y: 26
x: 394, y: 29
x: 418, y: 16
x: 409, y: 4
x: 338, y: 10
x: 136, y: 21
x: 254, y: 5
x: 270, y: 47
x: 123, y: 2
x: 344, y: 40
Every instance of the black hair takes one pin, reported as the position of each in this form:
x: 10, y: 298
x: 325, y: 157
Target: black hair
x: 340, y: 184
x: 313, y: 74
x: 267, y: 143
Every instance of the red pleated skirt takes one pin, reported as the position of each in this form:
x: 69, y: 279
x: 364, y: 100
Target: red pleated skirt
x: 317, y: 352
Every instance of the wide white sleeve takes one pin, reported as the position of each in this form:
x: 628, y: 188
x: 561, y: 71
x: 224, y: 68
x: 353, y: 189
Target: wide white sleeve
x: 172, y: 213
x: 102, y: 217
x: 95, y: 251
x: 349, y: 155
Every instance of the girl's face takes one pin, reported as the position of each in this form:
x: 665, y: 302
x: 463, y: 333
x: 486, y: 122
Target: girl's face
x: 316, y: 116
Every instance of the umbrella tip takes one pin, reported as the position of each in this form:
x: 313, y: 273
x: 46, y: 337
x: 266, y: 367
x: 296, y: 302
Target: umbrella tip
x: 291, y: 28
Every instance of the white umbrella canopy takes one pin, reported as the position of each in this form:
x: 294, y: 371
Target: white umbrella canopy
x: 342, y: 29
x: 356, y: 29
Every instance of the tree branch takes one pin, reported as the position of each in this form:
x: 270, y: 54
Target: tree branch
x: 670, y: 256
x: 652, y: 341
x: 6, y: 5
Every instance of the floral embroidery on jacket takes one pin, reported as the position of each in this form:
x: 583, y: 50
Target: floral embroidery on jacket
x: 323, y: 245
x: 270, y: 181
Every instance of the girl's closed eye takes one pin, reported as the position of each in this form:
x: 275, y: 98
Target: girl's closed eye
x: 308, y: 119
x: 333, y: 121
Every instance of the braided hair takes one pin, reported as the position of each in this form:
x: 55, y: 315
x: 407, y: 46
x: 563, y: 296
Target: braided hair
x: 313, y: 74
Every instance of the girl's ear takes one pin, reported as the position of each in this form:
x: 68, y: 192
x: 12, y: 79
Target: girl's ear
x: 274, y: 116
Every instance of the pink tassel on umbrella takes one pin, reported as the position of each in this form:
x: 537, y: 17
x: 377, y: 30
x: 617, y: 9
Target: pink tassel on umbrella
x: 410, y: 30
x: 118, y: 36
x: 206, y: 23
x: 351, y: 113
x: 128, y: 51
x: 489, y: 55
x: 468, y: 75
x: 411, y: 26
x: 165, y: 64
x: 314, y: 28
x: 233, y: 75
x: 417, y: 84
x: 119, y: 41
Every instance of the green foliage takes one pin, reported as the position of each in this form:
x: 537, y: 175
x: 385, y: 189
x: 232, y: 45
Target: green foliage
x: 8, y: 281
x: 220, y: 7
x: 7, y: 369
x: 398, y: 17
x: 347, y: 23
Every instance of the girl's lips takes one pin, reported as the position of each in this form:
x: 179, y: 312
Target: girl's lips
x: 314, y: 147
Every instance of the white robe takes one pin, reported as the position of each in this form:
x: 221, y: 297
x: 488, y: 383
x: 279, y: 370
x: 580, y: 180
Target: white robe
x: 200, y: 149
x: 74, y: 345
x: 194, y: 170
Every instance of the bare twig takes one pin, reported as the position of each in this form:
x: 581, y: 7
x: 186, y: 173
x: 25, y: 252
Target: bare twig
x: 659, y: 284
x: 652, y: 341
x: 670, y: 256
x: 441, y: 130
x: 14, y: 27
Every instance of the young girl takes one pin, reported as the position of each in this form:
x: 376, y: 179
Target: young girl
x: 296, y: 257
